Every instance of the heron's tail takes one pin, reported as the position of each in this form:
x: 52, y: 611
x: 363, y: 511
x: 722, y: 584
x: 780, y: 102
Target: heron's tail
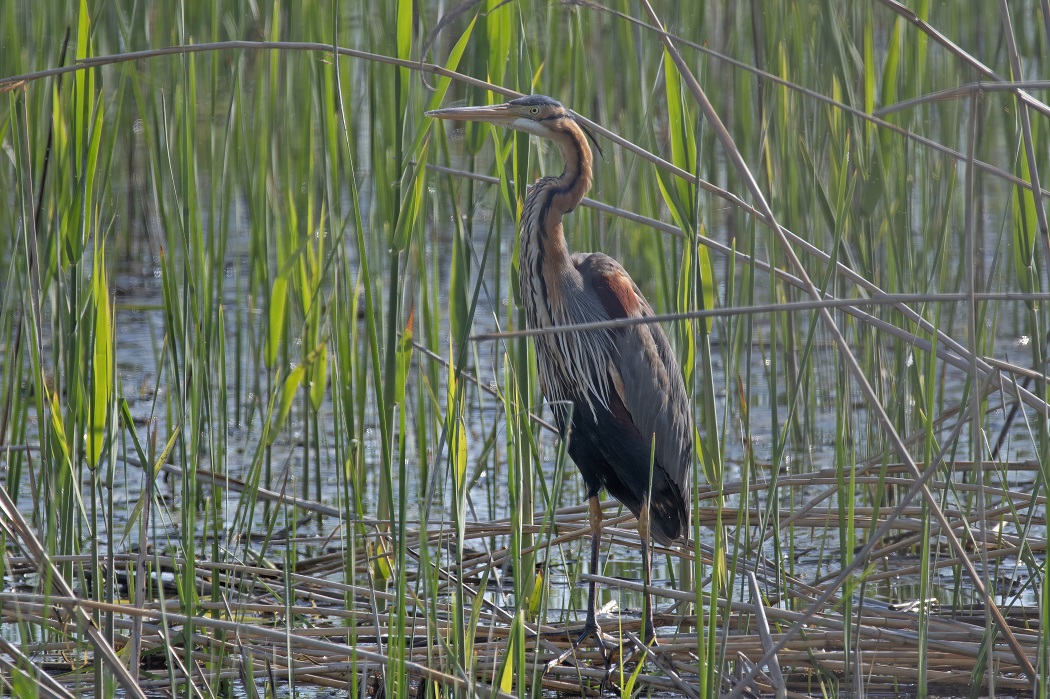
x: 668, y: 512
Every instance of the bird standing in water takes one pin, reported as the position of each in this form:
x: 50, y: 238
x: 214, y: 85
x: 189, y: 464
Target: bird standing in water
x: 617, y: 395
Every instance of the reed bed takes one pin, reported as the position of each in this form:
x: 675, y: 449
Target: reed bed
x: 255, y: 623
x: 269, y: 415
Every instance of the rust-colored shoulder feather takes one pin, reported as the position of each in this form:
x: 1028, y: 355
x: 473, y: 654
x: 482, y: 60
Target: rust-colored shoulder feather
x: 616, y: 292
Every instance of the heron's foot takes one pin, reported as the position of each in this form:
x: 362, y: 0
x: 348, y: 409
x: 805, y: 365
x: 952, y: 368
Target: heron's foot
x: 590, y: 628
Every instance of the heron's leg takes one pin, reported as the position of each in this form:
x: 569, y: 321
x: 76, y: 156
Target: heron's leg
x: 648, y: 628
x: 595, y: 507
x: 590, y: 626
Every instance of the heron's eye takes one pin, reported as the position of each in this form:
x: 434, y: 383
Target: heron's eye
x: 534, y: 110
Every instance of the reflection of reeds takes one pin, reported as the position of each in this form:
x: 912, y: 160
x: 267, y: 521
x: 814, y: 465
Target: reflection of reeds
x: 309, y: 297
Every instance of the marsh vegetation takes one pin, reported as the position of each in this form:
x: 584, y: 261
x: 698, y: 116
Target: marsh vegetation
x: 265, y: 423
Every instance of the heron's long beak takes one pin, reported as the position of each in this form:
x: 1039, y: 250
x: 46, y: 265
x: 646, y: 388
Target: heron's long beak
x: 496, y: 114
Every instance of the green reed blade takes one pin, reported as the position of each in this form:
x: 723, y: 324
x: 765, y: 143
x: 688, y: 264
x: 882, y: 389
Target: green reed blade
x: 102, y: 362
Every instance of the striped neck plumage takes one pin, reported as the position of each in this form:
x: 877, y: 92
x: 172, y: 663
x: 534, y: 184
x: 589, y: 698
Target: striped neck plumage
x: 568, y: 189
x: 553, y: 196
x: 551, y: 285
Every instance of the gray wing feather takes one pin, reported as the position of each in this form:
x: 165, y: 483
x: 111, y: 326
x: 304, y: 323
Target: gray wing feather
x: 655, y: 396
x: 653, y: 392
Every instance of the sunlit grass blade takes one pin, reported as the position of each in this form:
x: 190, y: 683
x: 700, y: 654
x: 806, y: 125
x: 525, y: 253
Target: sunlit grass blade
x: 295, y: 379
x: 409, y: 211
x: 1025, y: 226
x: 149, y: 472
x: 318, y: 376
x: 442, y: 85
x: 683, y: 142
x: 277, y: 307
x: 102, y: 362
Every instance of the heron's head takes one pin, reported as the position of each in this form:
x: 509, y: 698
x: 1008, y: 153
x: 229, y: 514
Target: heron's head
x: 538, y: 115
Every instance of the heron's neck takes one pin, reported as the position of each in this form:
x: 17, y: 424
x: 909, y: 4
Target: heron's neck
x: 566, y: 191
x: 544, y: 256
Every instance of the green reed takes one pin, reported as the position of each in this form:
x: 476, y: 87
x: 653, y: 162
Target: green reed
x: 310, y: 290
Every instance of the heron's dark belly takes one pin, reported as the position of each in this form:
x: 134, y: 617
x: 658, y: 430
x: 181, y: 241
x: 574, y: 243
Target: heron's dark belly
x: 601, y: 447
x: 596, y: 446
x: 612, y: 456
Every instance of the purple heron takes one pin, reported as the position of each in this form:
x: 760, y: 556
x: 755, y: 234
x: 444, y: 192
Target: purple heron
x: 617, y: 395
